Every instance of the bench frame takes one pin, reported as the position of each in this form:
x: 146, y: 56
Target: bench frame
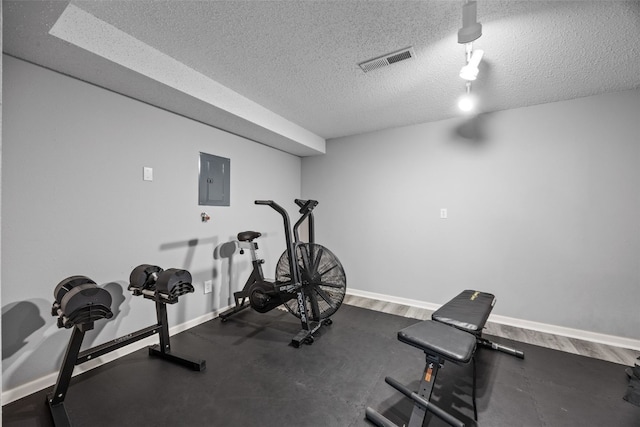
x: 468, y: 312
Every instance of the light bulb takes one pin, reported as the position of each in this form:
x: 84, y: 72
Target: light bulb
x: 467, y: 103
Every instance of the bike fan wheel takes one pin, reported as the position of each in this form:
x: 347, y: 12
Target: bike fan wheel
x: 323, y: 280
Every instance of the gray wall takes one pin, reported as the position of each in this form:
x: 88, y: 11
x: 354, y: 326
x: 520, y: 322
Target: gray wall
x: 543, y: 204
x: 74, y: 202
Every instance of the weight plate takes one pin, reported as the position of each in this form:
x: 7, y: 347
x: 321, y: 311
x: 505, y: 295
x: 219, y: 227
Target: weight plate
x: 144, y: 276
x: 67, y: 284
x: 174, y: 282
x: 86, y: 303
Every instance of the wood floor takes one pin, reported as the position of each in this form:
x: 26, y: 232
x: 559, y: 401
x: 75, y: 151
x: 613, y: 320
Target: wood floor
x: 570, y: 345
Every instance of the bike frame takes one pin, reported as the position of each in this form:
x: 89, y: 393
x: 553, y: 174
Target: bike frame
x: 292, y: 241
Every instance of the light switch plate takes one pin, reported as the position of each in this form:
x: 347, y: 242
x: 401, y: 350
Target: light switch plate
x: 147, y: 174
x: 208, y: 286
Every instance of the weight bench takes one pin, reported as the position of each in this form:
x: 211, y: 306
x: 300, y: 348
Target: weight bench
x: 452, y: 335
x: 469, y: 312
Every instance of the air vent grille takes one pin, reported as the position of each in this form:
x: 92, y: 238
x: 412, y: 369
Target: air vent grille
x: 388, y: 59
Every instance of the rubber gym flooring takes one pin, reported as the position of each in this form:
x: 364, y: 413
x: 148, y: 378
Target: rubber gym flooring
x: 255, y: 378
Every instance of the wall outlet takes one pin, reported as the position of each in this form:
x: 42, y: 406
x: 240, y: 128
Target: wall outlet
x: 443, y: 213
x: 208, y: 286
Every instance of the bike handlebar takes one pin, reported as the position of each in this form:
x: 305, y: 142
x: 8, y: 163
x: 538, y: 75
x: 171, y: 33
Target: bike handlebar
x: 277, y: 208
x: 287, y: 235
x: 306, y: 206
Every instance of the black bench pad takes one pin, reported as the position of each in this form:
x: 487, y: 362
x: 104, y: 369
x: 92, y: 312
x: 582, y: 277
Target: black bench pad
x: 468, y: 311
x: 440, y: 340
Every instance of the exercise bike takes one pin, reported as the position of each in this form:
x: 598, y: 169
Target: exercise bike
x: 310, y: 281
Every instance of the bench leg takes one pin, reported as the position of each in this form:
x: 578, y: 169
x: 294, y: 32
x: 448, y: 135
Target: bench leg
x: 421, y: 400
x: 490, y: 344
x: 379, y: 420
x: 425, y: 390
x: 473, y: 392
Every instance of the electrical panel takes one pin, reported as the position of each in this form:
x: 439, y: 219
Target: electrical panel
x: 214, y: 181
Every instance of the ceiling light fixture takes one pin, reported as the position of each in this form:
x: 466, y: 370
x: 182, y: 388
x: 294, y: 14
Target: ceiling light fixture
x: 467, y: 102
x: 471, y: 30
x: 469, y: 72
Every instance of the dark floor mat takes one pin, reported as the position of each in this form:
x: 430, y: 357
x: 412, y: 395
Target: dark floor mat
x: 254, y: 377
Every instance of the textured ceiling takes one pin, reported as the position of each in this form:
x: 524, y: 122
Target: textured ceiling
x: 285, y: 73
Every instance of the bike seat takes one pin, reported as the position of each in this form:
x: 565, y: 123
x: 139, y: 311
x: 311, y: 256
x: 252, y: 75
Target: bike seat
x: 247, y: 236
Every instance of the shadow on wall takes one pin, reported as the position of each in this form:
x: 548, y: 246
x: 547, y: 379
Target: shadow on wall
x: 191, y: 250
x: 227, y: 251
x: 473, y: 130
x: 29, y: 342
x: 190, y: 246
x: 32, y: 344
x: 19, y: 321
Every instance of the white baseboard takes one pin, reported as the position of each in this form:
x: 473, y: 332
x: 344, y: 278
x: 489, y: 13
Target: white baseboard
x: 580, y: 334
x: 595, y: 337
x: 395, y: 300
x: 24, y: 390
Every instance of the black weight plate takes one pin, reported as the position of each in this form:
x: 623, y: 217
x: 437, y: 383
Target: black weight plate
x: 69, y: 296
x: 142, y: 277
x: 174, y: 282
x: 67, y: 284
x: 86, y: 303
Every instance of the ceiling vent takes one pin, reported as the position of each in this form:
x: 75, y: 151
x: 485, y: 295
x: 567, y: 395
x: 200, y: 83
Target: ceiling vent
x: 388, y: 59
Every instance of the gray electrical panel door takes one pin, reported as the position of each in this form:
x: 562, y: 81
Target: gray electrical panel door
x: 214, y: 180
